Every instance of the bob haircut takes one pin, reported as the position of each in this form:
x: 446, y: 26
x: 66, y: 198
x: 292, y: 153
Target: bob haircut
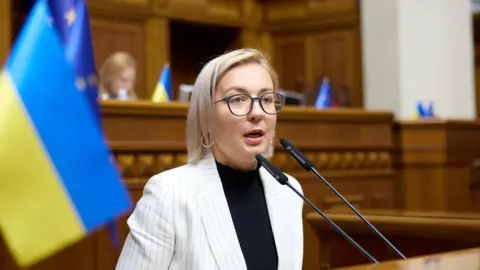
x: 115, y: 64
x: 199, y: 120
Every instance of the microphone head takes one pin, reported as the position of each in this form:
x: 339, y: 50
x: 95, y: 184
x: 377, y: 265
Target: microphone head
x: 274, y: 171
x: 285, y: 143
x: 306, y: 163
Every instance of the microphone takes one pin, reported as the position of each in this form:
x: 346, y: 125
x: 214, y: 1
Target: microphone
x: 307, y: 164
x: 283, y: 180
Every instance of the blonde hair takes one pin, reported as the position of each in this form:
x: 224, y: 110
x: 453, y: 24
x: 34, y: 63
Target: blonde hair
x: 200, y: 111
x: 112, y: 66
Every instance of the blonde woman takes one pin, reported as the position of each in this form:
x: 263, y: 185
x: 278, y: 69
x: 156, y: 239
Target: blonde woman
x: 222, y: 210
x: 117, y: 77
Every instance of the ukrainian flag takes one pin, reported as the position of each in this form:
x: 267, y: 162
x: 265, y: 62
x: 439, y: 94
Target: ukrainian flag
x: 57, y: 181
x: 420, y: 111
x: 163, y: 91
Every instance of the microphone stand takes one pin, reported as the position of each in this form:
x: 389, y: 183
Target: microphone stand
x: 307, y: 164
x: 335, y: 226
x: 283, y: 180
x: 358, y: 213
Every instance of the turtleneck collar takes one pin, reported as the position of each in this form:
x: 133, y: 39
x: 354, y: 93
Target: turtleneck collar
x: 234, y: 178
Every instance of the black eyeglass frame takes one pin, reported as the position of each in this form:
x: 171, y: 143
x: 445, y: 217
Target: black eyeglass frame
x: 252, y: 100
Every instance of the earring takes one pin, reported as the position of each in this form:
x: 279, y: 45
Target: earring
x: 202, y: 139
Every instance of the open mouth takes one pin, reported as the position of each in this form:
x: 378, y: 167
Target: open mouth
x: 254, y: 134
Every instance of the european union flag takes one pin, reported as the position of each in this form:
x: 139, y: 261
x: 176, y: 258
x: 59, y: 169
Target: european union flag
x: 70, y: 18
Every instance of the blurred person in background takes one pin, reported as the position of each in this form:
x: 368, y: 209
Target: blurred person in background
x: 117, y: 77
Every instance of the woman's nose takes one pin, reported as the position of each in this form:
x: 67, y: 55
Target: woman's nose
x: 257, y: 110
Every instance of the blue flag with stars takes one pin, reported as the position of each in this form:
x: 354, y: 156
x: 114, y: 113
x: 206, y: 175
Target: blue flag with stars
x: 70, y: 18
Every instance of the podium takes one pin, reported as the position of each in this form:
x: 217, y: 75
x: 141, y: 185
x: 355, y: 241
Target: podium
x: 413, y: 233
x: 460, y: 260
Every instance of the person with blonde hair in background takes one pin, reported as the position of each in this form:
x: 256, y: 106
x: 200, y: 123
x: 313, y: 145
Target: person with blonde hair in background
x: 222, y: 210
x: 117, y: 77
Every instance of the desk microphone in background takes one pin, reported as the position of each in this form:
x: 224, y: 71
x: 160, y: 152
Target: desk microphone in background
x: 283, y: 179
x: 307, y: 164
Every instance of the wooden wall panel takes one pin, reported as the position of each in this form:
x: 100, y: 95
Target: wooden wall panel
x: 157, y: 51
x: 327, y: 42
x: 110, y: 35
x: 336, y: 55
x: 304, y: 14
x: 205, y: 11
x: 5, y: 29
x: 290, y: 61
x: 258, y: 39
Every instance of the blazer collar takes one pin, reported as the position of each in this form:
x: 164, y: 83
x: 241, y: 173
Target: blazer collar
x: 219, y: 226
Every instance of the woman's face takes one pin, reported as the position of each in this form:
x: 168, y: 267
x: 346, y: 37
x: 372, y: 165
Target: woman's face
x: 124, y: 80
x: 239, y: 138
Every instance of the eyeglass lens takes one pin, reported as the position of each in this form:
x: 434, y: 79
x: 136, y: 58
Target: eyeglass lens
x: 271, y: 103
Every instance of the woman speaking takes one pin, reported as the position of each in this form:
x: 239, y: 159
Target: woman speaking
x: 222, y: 210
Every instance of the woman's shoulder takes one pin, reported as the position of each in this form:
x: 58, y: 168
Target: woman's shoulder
x: 178, y: 179
x: 294, y: 182
x: 290, y: 194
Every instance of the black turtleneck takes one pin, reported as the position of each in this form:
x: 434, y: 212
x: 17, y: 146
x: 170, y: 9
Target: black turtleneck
x: 248, y: 208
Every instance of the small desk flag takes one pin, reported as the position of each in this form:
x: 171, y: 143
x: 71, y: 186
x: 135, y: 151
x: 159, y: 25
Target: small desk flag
x: 423, y: 111
x: 324, y: 99
x: 58, y: 183
x: 163, y: 91
x: 70, y: 18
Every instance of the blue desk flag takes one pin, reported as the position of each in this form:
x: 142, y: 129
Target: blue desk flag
x: 58, y: 182
x: 324, y: 98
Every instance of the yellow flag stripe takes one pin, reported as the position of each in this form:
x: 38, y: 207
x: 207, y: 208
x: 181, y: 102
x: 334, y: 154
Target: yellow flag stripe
x: 160, y: 94
x: 44, y: 221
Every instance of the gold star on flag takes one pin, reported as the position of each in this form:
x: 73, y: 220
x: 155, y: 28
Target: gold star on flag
x: 50, y: 21
x: 80, y: 83
x: 70, y: 16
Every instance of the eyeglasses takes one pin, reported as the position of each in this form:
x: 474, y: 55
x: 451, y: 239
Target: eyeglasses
x: 242, y: 104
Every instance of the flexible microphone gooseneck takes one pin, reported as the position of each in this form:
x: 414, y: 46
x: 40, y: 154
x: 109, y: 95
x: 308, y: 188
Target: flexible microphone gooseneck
x: 283, y: 179
x: 307, y: 164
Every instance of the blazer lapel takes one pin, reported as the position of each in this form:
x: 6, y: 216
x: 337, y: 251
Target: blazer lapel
x: 216, y: 218
x: 278, y: 212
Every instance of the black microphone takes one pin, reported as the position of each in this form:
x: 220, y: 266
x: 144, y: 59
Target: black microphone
x: 283, y: 179
x: 307, y: 164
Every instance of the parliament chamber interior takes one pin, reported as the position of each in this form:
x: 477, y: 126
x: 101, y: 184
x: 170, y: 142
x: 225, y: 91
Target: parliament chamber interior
x: 417, y: 181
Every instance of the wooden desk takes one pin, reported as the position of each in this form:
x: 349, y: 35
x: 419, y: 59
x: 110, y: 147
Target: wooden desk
x: 351, y: 147
x: 468, y: 259
x: 439, y: 164
x: 413, y: 233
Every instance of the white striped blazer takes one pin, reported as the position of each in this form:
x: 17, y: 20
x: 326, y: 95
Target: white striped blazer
x: 183, y: 222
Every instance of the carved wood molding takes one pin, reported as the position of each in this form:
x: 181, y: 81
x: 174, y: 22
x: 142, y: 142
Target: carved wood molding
x: 281, y: 16
x: 144, y: 164
x: 275, y: 16
x: 140, y: 10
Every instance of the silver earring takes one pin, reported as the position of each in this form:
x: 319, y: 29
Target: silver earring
x: 202, y: 139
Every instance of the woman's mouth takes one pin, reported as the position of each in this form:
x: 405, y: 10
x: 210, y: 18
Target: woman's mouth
x: 254, y: 137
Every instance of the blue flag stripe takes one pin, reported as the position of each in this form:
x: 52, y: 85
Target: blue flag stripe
x: 165, y: 80
x: 66, y: 126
